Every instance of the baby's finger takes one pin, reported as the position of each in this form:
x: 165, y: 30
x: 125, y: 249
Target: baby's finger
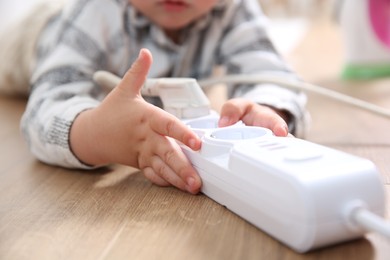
x: 135, y: 77
x: 151, y: 175
x: 266, y: 117
x: 172, y: 155
x: 167, y: 125
x: 166, y: 173
x: 233, y: 110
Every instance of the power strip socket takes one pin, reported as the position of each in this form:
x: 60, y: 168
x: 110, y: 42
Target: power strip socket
x: 303, y: 194
x: 300, y: 193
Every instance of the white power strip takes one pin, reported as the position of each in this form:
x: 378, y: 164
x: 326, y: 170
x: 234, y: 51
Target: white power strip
x: 301, y: 193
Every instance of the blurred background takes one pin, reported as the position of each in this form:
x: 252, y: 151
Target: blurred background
x: 306, y: 32
x: 290, y: 22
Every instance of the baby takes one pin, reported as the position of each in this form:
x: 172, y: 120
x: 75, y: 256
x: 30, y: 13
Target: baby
x: 70, y: 121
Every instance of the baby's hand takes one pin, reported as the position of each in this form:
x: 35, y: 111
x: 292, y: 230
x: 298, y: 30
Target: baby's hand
x: 252, y: 114
x: 126, y: 129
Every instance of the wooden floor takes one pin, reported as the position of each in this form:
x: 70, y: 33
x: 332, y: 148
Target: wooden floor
x: 53, y: 213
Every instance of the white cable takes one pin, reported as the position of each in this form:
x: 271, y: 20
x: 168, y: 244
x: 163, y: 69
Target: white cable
x: 107, y: 79
x: 369, y: 221
x: 298, y: 85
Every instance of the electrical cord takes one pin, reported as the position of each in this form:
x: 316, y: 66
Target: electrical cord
x: 365, y: 219
x: 297, y: 85
x: 110, y: 80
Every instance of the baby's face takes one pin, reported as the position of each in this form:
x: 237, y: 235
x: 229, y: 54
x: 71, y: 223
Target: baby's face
x: 173, y: 14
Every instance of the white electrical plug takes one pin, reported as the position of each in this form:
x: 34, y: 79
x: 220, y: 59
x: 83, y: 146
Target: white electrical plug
x: 181, y: 97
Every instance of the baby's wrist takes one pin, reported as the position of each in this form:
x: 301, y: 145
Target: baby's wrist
x: 85, y: 141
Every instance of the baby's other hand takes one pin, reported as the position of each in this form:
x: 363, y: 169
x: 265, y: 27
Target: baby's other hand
x: 252, y: 114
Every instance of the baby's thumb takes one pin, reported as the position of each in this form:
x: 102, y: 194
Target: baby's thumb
x: 135, y: 77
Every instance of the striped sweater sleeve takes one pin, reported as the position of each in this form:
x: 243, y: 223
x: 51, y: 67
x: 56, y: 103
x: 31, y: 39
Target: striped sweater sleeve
x: 70, y: 50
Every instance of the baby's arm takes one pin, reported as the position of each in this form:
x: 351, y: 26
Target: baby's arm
x: 65, y: 103
x: 127, y: 130
x: 246, y: 49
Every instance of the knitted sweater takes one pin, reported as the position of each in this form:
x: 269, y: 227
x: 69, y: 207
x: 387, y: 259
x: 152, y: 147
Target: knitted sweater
x: 91, y: 35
